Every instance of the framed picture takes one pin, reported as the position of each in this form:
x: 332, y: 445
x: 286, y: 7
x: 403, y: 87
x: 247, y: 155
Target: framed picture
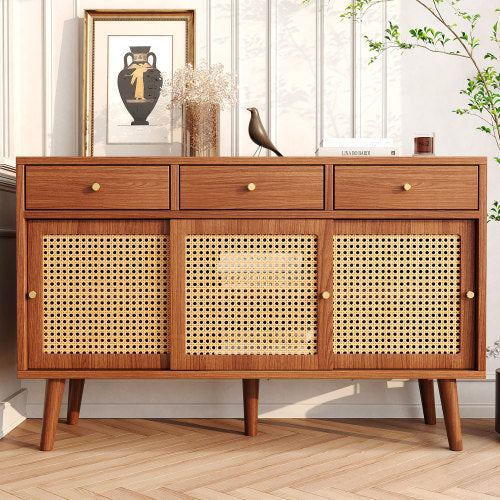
x: 128, y: 56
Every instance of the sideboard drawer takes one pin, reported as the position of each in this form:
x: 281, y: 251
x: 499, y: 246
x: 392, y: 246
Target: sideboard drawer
x: 270, y: 187
x: 406, y: 187
x: 97, y: 187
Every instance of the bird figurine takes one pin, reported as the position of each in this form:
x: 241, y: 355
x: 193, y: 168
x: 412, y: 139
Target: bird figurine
x: 258, y: 134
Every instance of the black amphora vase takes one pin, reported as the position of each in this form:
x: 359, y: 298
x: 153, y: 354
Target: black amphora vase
x: 139, y: 84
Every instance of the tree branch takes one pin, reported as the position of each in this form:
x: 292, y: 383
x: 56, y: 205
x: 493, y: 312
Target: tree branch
x: 438, y: 16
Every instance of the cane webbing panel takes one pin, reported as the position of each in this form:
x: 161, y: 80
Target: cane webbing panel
x: 106, y: 294
x: 396, y: 294
x: 251, y: 294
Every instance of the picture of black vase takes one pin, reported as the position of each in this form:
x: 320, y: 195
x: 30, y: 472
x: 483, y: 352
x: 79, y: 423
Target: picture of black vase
x: 139, y: 84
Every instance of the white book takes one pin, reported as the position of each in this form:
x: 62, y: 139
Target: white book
x: 357, y: 151
x: 357, y: 142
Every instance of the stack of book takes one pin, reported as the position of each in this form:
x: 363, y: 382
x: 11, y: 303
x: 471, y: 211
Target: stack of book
x: 357, y: 147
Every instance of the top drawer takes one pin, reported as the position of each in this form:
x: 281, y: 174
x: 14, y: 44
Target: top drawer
x: 406, y: 187
x: 271, y: 187
x: 97, y: 187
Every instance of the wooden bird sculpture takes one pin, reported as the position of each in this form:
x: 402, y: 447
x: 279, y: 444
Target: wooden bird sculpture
x: 258, y: 134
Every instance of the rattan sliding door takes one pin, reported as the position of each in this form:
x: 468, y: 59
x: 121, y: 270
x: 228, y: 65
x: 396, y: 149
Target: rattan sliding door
x: 247, y: 294
x: 400, y: 294
x: 99, y: 294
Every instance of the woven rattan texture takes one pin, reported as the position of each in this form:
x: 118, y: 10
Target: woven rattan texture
x: 106, y: 294
x: 396, y: 294
x: 251, y: 294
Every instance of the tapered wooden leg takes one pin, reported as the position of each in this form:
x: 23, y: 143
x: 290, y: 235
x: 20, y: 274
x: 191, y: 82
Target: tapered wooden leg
x: 449, y: 403
x: 251, y: 405
x: 75, y: 400
x: 428, y: 404
x: 53, y: 397
x: 497, y: 401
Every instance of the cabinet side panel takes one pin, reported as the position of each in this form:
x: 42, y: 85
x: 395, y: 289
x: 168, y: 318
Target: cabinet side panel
x: 22, y: 345
x: 481, y: 252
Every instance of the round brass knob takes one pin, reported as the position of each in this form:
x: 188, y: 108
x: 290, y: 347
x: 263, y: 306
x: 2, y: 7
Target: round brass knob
x: 406, y: 187
x: 470, y: 294
x: 96, y: 186
x: 325, y: 295
x: 32, y: 294
x: 251, y: 186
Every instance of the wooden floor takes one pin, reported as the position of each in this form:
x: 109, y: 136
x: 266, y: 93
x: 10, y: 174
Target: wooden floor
x: 289, y: 459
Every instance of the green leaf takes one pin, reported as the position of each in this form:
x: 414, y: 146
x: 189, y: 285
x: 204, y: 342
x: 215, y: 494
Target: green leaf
x: 484, y: 129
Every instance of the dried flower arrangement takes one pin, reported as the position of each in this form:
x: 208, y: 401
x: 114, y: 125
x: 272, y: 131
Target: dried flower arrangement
x: 201, y: 91
x: 201, y: 85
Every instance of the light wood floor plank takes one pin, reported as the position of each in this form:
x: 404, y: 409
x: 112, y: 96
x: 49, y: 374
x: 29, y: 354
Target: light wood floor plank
x: 167, y: 493
x: 208, y: 494
x: 464, y: 494
x: 5, y: 494
x: 231, y: 459
x: 320, y: 473
x: 290, y: 459
x: 330, y: 493
x: 421, y: 494
x: 251, y: 494
x: 36, y: 493
x: 376, y: 493
x: 250, y: 469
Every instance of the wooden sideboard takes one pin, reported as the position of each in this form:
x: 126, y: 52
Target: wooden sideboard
x: 251, y: 268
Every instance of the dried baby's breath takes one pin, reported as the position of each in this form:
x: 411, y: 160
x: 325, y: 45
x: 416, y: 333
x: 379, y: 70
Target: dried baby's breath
x: 203, y: 85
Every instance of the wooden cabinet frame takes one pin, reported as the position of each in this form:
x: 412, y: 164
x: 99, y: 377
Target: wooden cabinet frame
x: 455, y: 213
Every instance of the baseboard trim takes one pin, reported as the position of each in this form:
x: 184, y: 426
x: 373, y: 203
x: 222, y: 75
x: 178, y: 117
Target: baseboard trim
x: 266, y: 410
x: 12, y: 412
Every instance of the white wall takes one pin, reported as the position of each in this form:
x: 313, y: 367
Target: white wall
x: 12, y: 397
x: 307, y: 73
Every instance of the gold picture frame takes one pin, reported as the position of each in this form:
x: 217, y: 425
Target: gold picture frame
x: 112, y: 38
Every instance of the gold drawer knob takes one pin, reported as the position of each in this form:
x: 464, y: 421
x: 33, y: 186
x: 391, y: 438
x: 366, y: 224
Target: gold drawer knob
x: 251, y: 186
x: 32, y: 294
x: 406, y: 187
x: 96, y: 186
x: 325, y: 295
x: 470, y: 294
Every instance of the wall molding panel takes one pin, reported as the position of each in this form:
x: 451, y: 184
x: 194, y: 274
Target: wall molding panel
x: 209, y: 31
x: 320, y: 74
x: 384, y: 95
x: 235, y: 68
x: 272, y: 78
x: 6, y: 89
x: 356, y: 79
x: 48, y: 102
x: 77, y: 148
